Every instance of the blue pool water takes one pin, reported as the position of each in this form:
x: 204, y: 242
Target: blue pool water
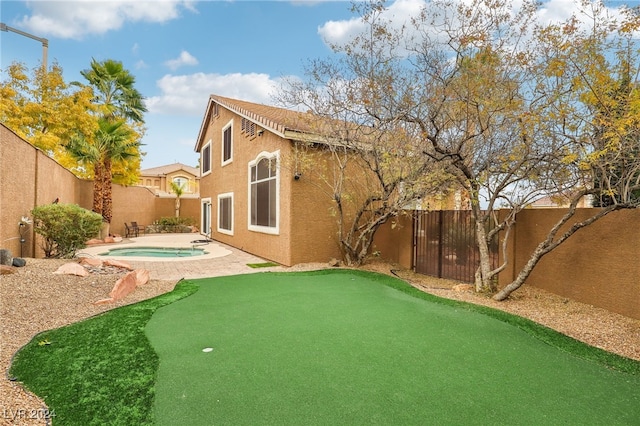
x: 155, y: 252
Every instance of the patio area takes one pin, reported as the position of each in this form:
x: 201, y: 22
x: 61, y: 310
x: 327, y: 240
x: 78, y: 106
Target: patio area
x: 219, y: 260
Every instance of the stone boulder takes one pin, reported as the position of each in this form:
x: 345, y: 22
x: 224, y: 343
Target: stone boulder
x: 6, y: 258
x: 90, y: 261
x: 6, y: 270
x: 72, y: 268
x: 94, y: 241
x: 117, y: 263
x: 125, y: 285
x: 142, y: 277
x: 18, y: 262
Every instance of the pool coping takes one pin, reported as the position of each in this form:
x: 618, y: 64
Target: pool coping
x: 213, y: 249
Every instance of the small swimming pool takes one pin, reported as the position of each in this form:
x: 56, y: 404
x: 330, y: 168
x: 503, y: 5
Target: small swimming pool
x: 155, y: 252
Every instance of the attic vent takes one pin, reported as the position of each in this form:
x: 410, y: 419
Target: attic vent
x: 214, y: 112
x: 248, y: 127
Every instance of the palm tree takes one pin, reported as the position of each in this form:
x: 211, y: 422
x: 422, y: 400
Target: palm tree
x: 178, y: 189
x: 113, y: 141
x: 119, y: 103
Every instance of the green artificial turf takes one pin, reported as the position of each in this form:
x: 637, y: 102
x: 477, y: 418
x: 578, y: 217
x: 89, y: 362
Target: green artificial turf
x: 355, y: 348
x: 326, y: 347
x: 99, y: 371
x: 261, y: 265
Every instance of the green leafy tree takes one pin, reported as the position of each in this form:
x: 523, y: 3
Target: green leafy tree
x: 65, y: 228
x: 45, y: 111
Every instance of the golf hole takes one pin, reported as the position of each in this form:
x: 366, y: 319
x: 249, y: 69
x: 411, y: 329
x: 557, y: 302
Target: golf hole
x: 207, y: 349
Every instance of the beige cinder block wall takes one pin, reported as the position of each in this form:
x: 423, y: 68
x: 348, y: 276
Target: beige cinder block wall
x: 598, y: 265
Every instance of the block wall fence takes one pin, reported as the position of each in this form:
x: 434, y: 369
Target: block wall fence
x: 29, y: 178
x: 599, y: 265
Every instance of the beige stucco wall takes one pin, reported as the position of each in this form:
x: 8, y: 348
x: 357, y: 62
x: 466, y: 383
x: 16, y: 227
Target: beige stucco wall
x: 29, y: 178
x: 233, y: 178
x: 598, y: 265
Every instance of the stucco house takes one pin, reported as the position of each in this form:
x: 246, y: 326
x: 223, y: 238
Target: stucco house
x: 249, y: 199
x: 253, y: 194
x: 159, y: 179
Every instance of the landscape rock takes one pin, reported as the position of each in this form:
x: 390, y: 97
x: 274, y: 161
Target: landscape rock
x: 94, y: 241
x: 6, y: 270
x: 334, y: 263
x: 117, y: 263
x: 104, y: 301
x: 109, y: 240
x: 142, y: 276
x: 463, y: 287
x: 72, y: 269
x: 124, y: 286
x: 19, y: 262
x: 90, y: 261
x: 5, y: 257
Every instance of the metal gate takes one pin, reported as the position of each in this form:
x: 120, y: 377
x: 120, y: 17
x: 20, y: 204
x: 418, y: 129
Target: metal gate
x: 445, y: 245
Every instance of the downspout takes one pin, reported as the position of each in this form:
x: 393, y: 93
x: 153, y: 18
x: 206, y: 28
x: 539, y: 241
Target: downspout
x: 35, y: 202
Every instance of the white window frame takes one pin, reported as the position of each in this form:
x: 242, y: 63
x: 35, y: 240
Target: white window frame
x: 206, y: 146
x: 228, y: 126
x: 227, y: 195
x: 274, y: 230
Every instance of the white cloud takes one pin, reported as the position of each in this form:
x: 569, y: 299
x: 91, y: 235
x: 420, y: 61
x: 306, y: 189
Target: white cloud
x: 188, y: 94
x: 401, y: 11
x: 185, y: 58
x: 398, y: 13
x: 75, y: 19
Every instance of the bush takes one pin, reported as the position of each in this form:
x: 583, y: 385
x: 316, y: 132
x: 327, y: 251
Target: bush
x: 65, y: 228
x: 173, y: 224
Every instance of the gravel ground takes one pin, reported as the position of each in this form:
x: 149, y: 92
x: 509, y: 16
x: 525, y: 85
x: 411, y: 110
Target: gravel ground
x: 34, y: 300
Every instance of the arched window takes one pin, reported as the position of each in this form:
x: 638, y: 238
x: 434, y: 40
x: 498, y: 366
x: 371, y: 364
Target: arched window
x: 264, y: 193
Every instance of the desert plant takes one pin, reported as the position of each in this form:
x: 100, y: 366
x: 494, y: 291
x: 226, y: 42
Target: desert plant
x: 65, y: 228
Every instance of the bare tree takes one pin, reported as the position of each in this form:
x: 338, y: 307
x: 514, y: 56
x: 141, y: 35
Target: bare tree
x: 504, y: 105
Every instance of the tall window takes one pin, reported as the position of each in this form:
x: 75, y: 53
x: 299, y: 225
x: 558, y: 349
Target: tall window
x: 227, y: 145
x: 205, y: 159
x: 264, y: 193
x: 225, y: 213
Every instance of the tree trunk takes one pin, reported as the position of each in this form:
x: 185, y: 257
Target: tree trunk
x: 107, y: 194
x: 98, y: 187
x: 483, y: 279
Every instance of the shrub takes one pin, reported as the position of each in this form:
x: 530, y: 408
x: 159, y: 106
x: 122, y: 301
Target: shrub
x: 173, y: 224
x: 65, y: 228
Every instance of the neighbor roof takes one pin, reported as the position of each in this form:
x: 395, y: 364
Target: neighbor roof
x: 170, y: 168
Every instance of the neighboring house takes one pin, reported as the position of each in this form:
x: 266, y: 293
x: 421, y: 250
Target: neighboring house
x: 159, y: 179
x: 252, y: 194
x: 559, y: 201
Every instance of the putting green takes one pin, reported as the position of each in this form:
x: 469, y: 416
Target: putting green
x: 345, y: 347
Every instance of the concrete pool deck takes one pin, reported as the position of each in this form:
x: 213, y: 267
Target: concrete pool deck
x: 221, y: 259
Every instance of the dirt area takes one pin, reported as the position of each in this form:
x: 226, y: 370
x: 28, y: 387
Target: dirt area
x: 34, y: 300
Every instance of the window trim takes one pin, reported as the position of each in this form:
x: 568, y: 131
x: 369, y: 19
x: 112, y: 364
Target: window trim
x: 226, y: 195
x: 229, y: 127
x: 205, y: 147
x: 260, y: 228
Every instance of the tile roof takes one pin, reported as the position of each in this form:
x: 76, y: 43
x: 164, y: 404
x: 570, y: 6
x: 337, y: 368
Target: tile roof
x: 289, y: 124
x: 170, y: 168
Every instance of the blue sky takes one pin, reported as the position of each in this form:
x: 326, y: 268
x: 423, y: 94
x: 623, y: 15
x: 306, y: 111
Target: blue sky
x: 182, y: 51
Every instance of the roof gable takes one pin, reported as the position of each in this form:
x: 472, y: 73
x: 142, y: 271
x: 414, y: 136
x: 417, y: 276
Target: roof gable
x: 288, y: 124
x: 170, y: 168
